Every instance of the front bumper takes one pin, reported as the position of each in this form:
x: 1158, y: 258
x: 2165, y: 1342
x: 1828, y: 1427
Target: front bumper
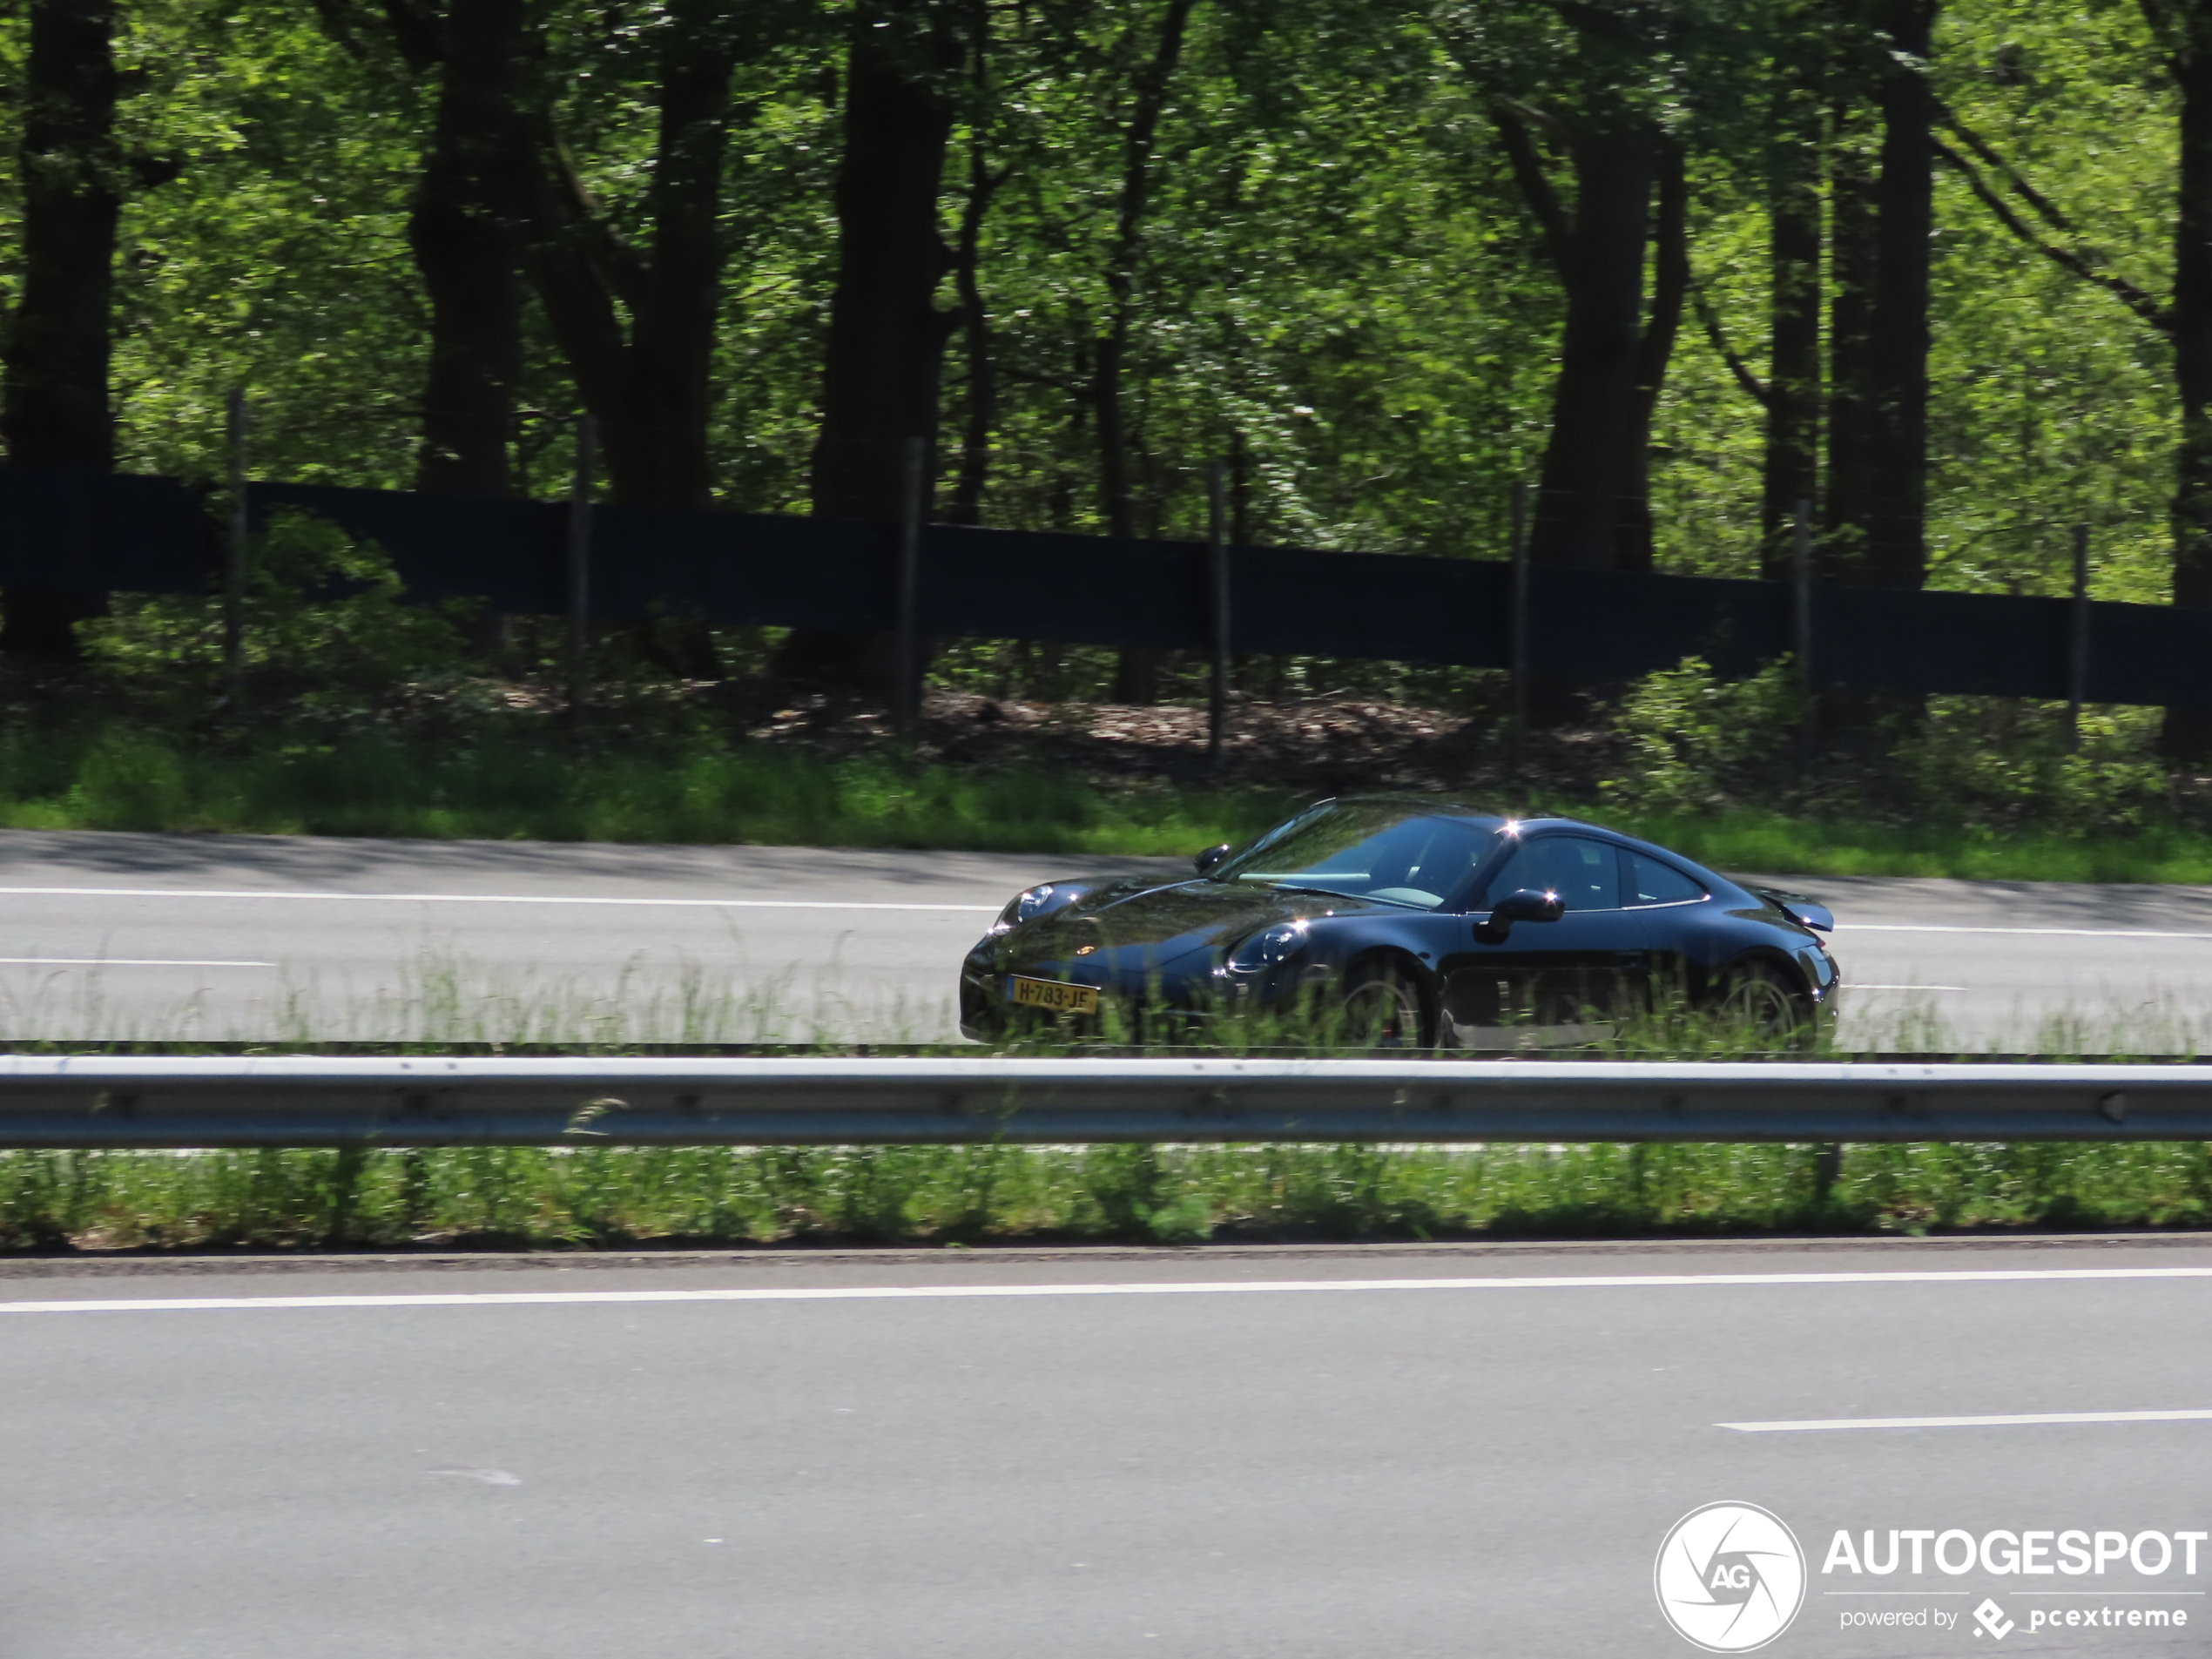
x: 1179, y: 997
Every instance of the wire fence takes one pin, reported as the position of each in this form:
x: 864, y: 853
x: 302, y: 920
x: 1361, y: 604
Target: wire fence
x: 1556, y: 620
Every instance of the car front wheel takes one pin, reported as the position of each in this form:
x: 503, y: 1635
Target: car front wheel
x: 1382, y: 1009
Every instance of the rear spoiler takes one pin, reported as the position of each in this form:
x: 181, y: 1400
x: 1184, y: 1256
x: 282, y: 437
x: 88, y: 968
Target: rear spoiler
x: 1807, y: 912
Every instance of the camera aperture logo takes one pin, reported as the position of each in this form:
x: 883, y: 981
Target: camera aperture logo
x: 1730, y: 1577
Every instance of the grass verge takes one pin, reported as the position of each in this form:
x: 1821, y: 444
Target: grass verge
x: 529, y: 1198
x: 502, y: 789
x: 1829, y: 845
x: 499, y: 789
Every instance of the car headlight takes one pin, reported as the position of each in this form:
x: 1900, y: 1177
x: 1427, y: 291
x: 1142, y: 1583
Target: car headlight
x: 1269, y: 946
x: 1036, y: 901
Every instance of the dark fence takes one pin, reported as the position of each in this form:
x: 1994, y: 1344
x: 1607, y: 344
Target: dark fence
x: 153, y: 535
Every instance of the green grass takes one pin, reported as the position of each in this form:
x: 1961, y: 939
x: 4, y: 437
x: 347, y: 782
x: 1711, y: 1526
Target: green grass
x: 499, y: 789
x: 527, y: 1198
x: 1828, y: 845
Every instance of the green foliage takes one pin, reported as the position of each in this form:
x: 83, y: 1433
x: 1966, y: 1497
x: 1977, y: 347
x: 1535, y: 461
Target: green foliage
x: 1692, y: 739
x: 2001, y: 765
x: 1988, y: 787
x: 1338, y: 268
x: 328, y: 629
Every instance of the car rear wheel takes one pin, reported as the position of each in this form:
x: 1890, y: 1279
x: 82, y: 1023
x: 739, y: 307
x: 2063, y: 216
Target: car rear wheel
x: 1382, y: 1009
x: 1760, y: 1003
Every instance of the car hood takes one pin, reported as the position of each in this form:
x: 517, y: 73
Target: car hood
x: 1130, y: 928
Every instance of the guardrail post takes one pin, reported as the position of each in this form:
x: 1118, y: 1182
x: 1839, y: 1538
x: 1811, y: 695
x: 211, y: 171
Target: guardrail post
x: 579, y: 564
x: 1517, y: 624
x: 907, y: 694
x: 1801, y: 633
x: 1827, y: 1169
x: 234, y: 551
x: 2077, y: 644
x: 1217, y: 573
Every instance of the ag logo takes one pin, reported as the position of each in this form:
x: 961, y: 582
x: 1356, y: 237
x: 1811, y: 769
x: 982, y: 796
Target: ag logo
x: 1730, y: 1577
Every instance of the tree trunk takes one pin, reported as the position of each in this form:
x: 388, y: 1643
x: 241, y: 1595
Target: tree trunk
x: 1905, y: 221
x: 1585, y: 482
x: 464, y: 249
x: 967, y: 506
x: 672, y: 332
x: 1633, y: 549
x: 2187, y: 734
x: 637, y: 329
x: 1793, y: 375
x: 55, y: 407
x: 882, y: 364
x: 1137, y: 670
x: 1841, y: 553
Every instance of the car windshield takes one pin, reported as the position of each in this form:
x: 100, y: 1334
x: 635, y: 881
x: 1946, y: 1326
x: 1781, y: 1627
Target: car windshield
x: 1393, y: 851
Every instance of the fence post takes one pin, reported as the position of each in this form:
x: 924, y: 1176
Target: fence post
x: 1217, y: 574
x: 1801, y: 633
x: 234, y: 550
x: 1517, y: 624
x: 906, y: 705
x: 2077, y: 644
x: 579, y: 572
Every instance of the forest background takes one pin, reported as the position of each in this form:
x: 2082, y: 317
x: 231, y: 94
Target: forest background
x: 1939, y: 270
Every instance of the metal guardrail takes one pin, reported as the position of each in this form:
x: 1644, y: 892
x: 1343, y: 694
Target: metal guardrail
x: 173, y: 1101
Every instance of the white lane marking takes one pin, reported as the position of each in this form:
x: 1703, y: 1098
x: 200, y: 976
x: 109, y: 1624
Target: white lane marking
x: 1971, y: 1422
x: 1853, y: 985
x: 484, y: 898
x: 489, y: 1477
x: 115, y: 961
x: 2057, y: 932
x: 1199, y: 1287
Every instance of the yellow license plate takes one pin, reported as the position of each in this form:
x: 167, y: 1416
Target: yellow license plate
x: 1053, y: 994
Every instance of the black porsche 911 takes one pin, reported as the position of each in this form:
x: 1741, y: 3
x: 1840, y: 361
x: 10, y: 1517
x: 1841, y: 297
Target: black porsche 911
x: 1415, y: 922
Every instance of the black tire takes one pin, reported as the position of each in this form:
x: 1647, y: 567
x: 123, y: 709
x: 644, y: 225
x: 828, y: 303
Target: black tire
x: 1381, y: 1009
x: 1761, y: 1002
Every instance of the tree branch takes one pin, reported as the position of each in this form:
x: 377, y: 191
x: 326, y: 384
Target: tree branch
x: 1558, y: 226
x: 2045, y: 207
x: 1754, y: 388
x: 618, y: 265
x: 2145, y: 307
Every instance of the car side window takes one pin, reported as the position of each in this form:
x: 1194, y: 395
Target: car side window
x: 1585, y: 874
x: 1651, y: 883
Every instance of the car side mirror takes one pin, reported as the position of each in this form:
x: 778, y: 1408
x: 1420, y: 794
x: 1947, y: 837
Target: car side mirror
x: 1210, y: 857
x: 1524, y: 904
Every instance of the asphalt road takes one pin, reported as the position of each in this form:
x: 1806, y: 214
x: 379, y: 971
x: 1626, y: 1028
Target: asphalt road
x: 176, y: 936
x: 1214, y: 1454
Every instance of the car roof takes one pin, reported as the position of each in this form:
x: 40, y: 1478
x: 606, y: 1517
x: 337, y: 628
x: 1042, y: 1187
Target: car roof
x: 1583, y: 825
x: 1432, y: 805
x: 1446, y: 805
